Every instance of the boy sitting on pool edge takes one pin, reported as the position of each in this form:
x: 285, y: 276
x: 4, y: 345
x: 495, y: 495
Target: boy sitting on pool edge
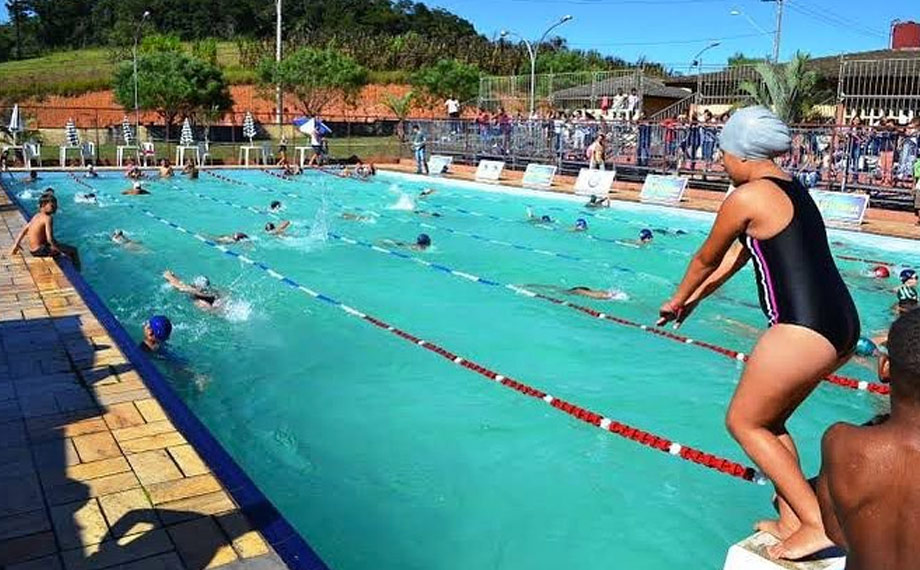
x: 869, y: 500
x: 40, y: 230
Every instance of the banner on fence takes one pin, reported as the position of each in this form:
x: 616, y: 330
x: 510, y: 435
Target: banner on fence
x: 489, y: 170
x: 438, y: 164
x: 841, y: 210
x: 594, y: 182
x: 663, y: 189
x: 539, y: 175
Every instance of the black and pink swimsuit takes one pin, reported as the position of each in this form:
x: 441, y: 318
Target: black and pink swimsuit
x: 797, y: 279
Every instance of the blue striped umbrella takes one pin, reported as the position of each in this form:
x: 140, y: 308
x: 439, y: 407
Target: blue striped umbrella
x: 186, y: 138
x: 249, y: 127
x: 70, y: 131
x: 126, y: 132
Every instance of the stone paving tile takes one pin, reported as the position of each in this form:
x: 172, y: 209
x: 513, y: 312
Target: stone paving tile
x: 20, y: 494
x: 27, y: 548
x: 52, y: 562
x: 55, y: 453
x: 201, y: 544
x: 182, y: 488
x: 24, y: 524
x: 180, y: 510
x: 154, y: 466
x: 122, y: 415
x: 129, y: 512
x: 188, y: 460
x: 151, y: 410
x: 118, y: 551
x: 145, y: 430
x: 246, y: 541
x: 79, y: 523
x: 159, y: 441
x: 96, y: 446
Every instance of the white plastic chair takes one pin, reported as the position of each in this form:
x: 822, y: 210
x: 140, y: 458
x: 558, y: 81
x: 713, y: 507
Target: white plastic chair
x: 32, y: 151
x: 148, y: 153
x: 204, y: 152
x: 88, y: 152
x: 267, y: 154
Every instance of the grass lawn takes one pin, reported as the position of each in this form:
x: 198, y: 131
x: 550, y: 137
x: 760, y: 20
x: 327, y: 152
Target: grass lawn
x: 80, y: 71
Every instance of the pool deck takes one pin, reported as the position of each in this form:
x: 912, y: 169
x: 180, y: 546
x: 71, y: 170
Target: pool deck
x: 94, y: 473
x: 877, y: 221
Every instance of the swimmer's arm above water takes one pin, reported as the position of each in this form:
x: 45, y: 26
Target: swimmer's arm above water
x: 177, y: 283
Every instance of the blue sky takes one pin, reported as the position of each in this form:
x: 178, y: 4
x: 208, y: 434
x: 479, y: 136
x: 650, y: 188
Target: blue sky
x: 672, y: 31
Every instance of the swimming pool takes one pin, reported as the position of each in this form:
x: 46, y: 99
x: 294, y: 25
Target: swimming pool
x: 385, y: 456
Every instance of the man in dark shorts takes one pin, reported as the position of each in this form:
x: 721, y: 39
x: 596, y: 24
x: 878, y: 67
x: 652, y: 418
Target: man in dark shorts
x: 870, y: 502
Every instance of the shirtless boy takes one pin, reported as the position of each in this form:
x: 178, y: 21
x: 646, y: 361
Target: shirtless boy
x: 40, y: 230
x: 870, y: 502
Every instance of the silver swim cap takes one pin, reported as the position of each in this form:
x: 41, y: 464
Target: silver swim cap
x: 201, y: 282
x: 755, y: 133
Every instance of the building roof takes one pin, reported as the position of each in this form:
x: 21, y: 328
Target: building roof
x: 651, y: 87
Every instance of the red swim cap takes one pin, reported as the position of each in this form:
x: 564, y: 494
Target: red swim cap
x: 881, y: 272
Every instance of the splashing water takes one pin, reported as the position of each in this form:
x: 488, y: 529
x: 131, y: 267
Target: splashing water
x: 320, y: 229
x: 404, y: 203
x: 26, y: 195
x: 236, y: 310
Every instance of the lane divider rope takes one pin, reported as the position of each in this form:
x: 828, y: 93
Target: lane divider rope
x: 623, y: 430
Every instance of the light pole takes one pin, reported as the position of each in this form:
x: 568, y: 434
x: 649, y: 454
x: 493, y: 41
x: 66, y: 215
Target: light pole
x: 137, y: 112
x: 278, y: 98
x: 532, y: 51
x: 759, y: 28
x: 778, y: 34
x: 698, y: 62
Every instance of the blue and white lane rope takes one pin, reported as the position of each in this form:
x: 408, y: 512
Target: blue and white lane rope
x: 441, y: 268
x: 607, y: 424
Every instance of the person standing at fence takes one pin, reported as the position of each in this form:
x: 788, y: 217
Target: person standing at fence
x: 814, y: 326
x: 419, y: 145
x: 504, y: 128
x: 887, y: 138
x: 710, y: 135
x: 632, y: 104
x: 453, y: 112
x: 597, y: 152
x: 856, y: 143
x: 643, y: 142
x: 910, y: 149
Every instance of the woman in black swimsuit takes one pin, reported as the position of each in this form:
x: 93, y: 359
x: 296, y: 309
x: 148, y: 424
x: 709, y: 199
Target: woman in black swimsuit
x: 814, y: 327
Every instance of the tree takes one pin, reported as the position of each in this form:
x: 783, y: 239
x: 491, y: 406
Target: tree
x: 173, y: 85
x: 314, y: 78
x: 401, y: 107
x: 740, y: 59
x: 448, y: 78
x: 790, y: 89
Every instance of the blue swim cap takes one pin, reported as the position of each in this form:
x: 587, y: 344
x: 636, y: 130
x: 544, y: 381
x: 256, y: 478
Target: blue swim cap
x: 423, y: 240
x: 907, y: 274
x: 161, y: 327
x: 646, y: 234
x: 865, y: 347
x: 545, y: 218
x: 581, y: 223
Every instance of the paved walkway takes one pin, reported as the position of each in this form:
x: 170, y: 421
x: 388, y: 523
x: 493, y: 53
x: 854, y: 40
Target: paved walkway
x: 877, y: 221
x: 93, y: 474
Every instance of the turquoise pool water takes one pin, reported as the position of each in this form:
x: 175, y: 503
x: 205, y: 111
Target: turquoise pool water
x: 385, y: 456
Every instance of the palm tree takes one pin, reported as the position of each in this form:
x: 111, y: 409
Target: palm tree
x: 401, y: 107
x: 790, y: 89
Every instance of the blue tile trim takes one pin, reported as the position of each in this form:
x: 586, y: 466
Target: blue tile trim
x: 261, y: 513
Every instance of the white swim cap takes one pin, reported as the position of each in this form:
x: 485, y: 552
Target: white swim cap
x: 755, y: 133
x: 201, y: 282
x: 137, y: 185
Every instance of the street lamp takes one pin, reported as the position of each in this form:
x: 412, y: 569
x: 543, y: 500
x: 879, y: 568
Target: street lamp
x: 698, y: 62
x: 532, y: 51
x: 137, y: 33
x: 777, y: 33
x: 758, y: 27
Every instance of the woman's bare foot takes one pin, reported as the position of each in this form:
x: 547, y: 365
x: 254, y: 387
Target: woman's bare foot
x: 776, y: 528
x: 807, y: 540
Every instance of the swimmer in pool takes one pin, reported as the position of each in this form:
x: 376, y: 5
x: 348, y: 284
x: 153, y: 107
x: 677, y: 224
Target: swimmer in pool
x: 86, y: 198
x: 91, y: 172
x: 275, y: 206
x: 612, y: 294
x: 422, y: 242
x: 120, y: 238
x: 426, y: 214
x: 355, y: 217
x: 157, y: 331
x: 667, y: 232
x: 232, y: 238
x: 646, y: 237
x: 597, y: 202
x: 581, y: 225
x: 200, y: 291
x: 277, y: 229
x: 539, y: 220
x: 136, y: 190
x: 814, y: 325
x: 426, y: 192
x: 31, y: 178
x: 166, y: 169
